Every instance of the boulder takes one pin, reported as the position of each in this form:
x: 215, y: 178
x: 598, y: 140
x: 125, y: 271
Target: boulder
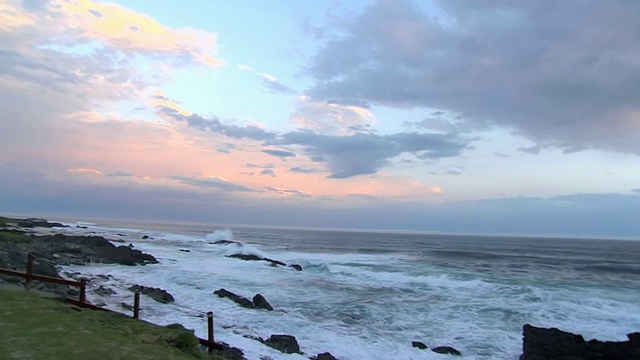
x: 296, y: 266
x: 228, y: 352
x: 284, y: 343
x: 323, y: 356
x: 552, y: 343
x: 156, y: 294
x: 240, y: 300
x: 261, y: 303
x: 419, y: 345
x: 446, y: 350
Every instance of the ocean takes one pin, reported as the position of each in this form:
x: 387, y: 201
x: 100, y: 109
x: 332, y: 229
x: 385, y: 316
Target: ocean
x: 368, y: 295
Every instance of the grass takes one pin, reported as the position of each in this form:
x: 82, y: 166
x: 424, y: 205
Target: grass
x: 15, y: 237
x: 35, y: 327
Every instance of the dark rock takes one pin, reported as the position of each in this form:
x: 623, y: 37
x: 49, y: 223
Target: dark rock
x: 446, y: 350
x: 545, y: 343
x: 156, y: 294
x: 225, y: 242
x: 261, y: 303
x: 104, y: 291
x: 296, y: 266
x: 33, y: 222
x: 419, y: 345
x: 144, y: 237
x: 285, y: 343
x: 185, y: 250
x: 228, y: 352
x: 245, y: 257
x: 252, y: 257
x: 126, y: 306
x: 124, y: 255
x: 242, y: 301
x: 323, y: 356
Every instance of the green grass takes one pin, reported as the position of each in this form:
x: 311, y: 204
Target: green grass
x: 34, y: 327
x: 8, y: 221
x: 9, y: 236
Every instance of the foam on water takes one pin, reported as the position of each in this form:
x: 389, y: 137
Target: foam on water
x: 356, y: 306
x: 218, y: 235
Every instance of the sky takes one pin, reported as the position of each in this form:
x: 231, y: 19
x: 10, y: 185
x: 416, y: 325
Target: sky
x: 488, y: 117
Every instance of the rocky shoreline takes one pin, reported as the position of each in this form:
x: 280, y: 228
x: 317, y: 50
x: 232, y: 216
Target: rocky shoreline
x: 18, y: 238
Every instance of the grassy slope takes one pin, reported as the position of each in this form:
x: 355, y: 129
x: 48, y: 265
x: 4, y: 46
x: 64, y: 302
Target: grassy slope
x: 33, y: 327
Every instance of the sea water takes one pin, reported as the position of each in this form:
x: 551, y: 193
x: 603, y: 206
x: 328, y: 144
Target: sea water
x: 368, y: 295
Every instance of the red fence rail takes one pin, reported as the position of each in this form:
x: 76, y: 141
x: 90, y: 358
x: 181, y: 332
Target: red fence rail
x: 29, y: 276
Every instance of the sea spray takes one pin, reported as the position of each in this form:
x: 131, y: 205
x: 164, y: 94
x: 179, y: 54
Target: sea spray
x: 358, y: 304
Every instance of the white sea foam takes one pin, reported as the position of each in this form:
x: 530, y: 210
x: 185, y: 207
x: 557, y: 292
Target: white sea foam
x: 356, y: 306
x: 225, y: 234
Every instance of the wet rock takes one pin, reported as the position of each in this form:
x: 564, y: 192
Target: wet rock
x: 104, y: 291
x: 124, y: 305
x: 144, y: 237
x: 296, y: 266
x: 323, y: 356
x: 240, y: 300
x: 229, y: 352
x: 545, y: 343
x: 225, y: 242
x: 156, y: 294
x: 252, y: 257
x: 446, y: 350
x: 419, y: 345
x: 184, y: 250
x: 261, y: 303
x: 284, y: 343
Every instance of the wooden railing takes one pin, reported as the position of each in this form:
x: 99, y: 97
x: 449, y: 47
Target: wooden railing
x: 29, y: 276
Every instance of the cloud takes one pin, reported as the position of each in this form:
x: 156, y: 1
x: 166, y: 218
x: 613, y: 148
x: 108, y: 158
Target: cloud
x: 362, y: 154
x: 85, y: 171
x: 561, y: 73
x: 268, y: 172
x: 216, y: 125
x: 120, y: 28
x: 332, y: 118
x: 279, y: 153
x: 120, y: 174
x: 300, y: 170
x: 533, y: 150
x: 212, y: 182
x: 454, y: 172
x: 277, y: 87
x: 636, y: 191
x: 287, y: 192
x: 256, y: 166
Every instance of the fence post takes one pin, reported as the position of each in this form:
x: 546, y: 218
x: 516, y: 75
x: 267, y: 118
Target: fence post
x: 83, y: 290
x: 210, y: 329
x: 136, y: 305
x: 27, y: 282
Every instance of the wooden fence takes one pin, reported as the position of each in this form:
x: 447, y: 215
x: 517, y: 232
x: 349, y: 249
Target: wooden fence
x: 30, y: 276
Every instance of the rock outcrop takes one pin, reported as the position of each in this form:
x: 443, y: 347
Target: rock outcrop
x: 552, y: 343
x: 446, y: 350
x: 240, y: 300
x: 419, y: 345
x: 285, y: 343
x: 323, y: 356
x: 259, y: 302
x: 156, y: 294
